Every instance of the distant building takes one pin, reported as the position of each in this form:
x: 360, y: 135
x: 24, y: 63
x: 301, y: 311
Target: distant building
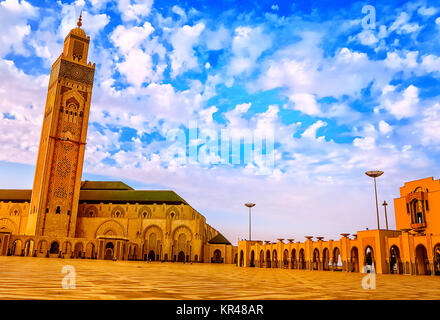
x: 63, y: 216
x: 414, y: 248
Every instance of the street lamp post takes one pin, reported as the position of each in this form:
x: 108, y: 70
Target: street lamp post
x: 250, y: 205
x: 385, y: 207
x: 375, y: 174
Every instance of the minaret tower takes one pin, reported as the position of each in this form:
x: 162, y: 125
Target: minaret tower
x: 55, y: 193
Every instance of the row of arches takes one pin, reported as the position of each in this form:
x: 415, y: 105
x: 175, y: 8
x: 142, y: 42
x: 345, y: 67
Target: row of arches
x: 51, y: 249
x: 320, y: 261
x: 326, y: 260
x: 421, y: 265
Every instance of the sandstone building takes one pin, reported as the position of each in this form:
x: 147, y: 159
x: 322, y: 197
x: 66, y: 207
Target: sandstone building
x: 414, y: 248
x: 63, y: 216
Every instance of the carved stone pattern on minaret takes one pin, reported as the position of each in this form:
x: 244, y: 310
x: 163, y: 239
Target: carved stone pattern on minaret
x: 76, y: 72
x: 64, y: 167
x: 62, y: 179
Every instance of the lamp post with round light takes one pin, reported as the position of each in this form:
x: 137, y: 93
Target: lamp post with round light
x: 250, y: 205
x: 375, y: 174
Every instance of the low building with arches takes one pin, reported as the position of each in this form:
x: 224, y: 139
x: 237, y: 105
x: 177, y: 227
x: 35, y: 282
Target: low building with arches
x: 414, y: 248
x: 114, y: 221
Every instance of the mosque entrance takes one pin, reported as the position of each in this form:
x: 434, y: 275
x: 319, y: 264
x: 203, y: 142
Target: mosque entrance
x: 108, y: 254
x: 151, y: 255
x: 181, y: 257
x: 422, y: 262
x: 217, y: 256
x: 369, y: 258
x: 395, y: 262
x: 54, y: 247
x: 354, y: 260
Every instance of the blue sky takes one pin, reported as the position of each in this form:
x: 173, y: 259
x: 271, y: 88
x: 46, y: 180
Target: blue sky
x: 342, y: 90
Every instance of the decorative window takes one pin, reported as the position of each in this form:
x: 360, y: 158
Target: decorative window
x: 58, y: 211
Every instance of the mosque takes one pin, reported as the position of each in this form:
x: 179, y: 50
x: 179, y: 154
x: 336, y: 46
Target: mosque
x: 64, y: 217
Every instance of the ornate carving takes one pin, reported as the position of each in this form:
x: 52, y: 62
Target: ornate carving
x: 60, y: 192
x: 63, y: 167
x: 76, y: 72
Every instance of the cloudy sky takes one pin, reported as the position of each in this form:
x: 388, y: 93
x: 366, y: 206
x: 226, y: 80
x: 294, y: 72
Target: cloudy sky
x: 343, y: 86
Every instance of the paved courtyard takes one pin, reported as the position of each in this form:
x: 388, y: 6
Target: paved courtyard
x: 41, y: 278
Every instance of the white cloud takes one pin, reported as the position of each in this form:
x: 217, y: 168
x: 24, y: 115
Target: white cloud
x: 310, y: 132
x: 384, y: 127
x: 217, y: 39
x: 427, y: 11
x: 134, y: 9
x: 305, y: 103
x: 247, y: 46
x: 402, y: 105
x: 401, y: 25
x: 367, y: 143
x: 14, y: 16
x: 137, y: 48
x: 431, y: 63
x: 183, y: 57
x: 367, y: 37
x: 429, y: 126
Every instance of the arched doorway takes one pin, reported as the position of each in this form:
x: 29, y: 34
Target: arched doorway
x: 54, y: 248
x: 422, y: 262
x: 268, y: 262
x: 217, y: 256
x: 326, y: 259
x: 274, y: 259
x: 302, y: 260
x: 369, y: 258
x: 252, y: 264
x: 293, y: 259
x: 78, y: 250
x: 261, y: 259
x: 181, y: 257
x: 241, y: 258
x: 151, y: 256
x: 395, y: 261
x: 354, y: 259
x: 29, y: 247
x: 90, y: 250
x: 108, y: 253
x: 16, y: 248
x: 437, y: 259
x: 286, y: 259
x: 316, y: 262
x: 67, y: 249
x: 337, y: 261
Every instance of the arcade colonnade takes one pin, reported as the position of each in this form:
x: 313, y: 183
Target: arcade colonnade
x: 380, y: 251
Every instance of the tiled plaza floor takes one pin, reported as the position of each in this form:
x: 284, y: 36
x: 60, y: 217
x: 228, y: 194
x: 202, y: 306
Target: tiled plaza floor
x: 41, y: 278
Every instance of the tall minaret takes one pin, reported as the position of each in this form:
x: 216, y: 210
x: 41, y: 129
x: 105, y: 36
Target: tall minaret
x: 57, y: 182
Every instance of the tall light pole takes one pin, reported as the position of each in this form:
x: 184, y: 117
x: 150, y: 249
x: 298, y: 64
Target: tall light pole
x: 250, y: 205
x: 385, y: 207
x: 375, y: 174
